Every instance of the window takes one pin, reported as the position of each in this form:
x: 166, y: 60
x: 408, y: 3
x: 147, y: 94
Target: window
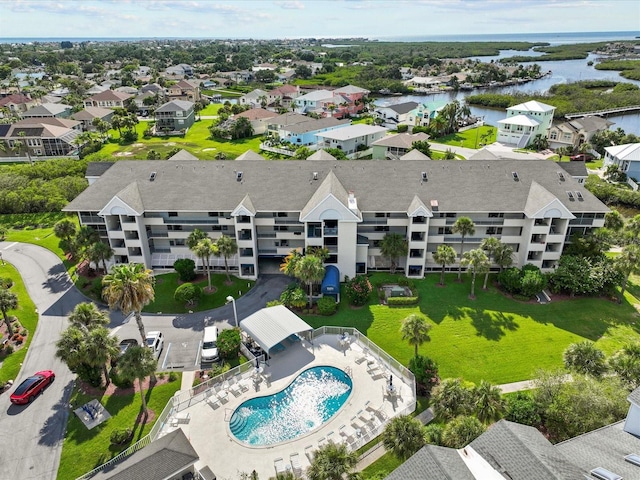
x: 496, y: 215
x: 381, y: 228
x: 445, y: 231
x: 415, y: 270
x: 173, y: 214
x: 361, y: 267
x: 553, y: 136
x: 382, y: 214
x: 180, y: 242
x: 494, y: 230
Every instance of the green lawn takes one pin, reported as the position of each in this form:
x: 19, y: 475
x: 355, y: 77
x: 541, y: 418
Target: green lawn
x: 469, y: 138
x: 382, y: 467
x: 26, y: 313
x: 196, y: 141
x: 83, y: 450
x: 167, y: 283
x: 493, y: 337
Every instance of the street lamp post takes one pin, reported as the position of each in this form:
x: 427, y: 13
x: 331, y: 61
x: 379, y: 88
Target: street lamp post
x: 235, y: 312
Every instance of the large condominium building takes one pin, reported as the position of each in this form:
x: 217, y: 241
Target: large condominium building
x: 147, y: 209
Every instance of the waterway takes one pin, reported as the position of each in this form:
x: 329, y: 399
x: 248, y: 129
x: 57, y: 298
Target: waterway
x: 563, y: 71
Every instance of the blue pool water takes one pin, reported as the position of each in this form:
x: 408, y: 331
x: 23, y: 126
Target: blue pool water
x: 308, y: 402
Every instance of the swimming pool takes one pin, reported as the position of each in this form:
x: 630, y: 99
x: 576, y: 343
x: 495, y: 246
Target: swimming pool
x: 308, y: 402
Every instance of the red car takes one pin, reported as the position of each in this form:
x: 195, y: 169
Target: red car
x: 582, y: 157
x: 32, y: 387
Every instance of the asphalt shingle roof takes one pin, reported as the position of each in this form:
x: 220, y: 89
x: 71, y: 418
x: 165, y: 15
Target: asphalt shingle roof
x: 432, y: 462
x: 379, y: 186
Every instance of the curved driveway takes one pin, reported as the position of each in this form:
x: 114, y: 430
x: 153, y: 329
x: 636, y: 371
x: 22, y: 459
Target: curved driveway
x: 31, y: 436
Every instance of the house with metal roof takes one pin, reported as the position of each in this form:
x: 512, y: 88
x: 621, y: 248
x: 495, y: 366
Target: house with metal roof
x: 143, y: 210
x: 351, y: 139
x: 524, y: 122
x: 626, y: 157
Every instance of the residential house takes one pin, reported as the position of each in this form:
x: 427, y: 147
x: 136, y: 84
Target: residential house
x: 393, y: 115
x: 239, y: 76
x: 426, y: 83
x: 55, y: 121
x: 127, y: 89
x: 255, y: 98
x: 355, y: 100
x: 141, y: 209
x: 43, y: 110
x: 524, y: 122
x: 576, y: 132
x: 285, y: 95
x: 626, y: 157
x: 300, y: 130
x: 259, y: 118
x: 393, y: 147
x: 108, y: 99
x: 351, y: 139
x: 519, y: 452
x: 317, y: 101
x: 176, y: 116
x: 95, y: 89
x: 143, y: 107
x: 17, y: 103
x: 180, y: 70
x: 183, y: 90
x: 422, y: 115
x: 87, y: 115
x: 153, y: 88
x: 40, y: 139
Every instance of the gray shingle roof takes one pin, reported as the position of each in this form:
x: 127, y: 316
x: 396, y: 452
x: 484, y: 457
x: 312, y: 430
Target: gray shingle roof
x: 95, y: 169
x: 183, y: 155
x: 634, y: 397
x: 605, y: 447
x: 401, y: 140
x: 175, y: 106
x: 433, y: 463
x: 414, y: 155
x: 523, y: 453
x: 402, y: 108
x: 321, y: 155
x: 160, y: 459
x: 575, y: 169
x: 378, y: 186
x: 250, y: 155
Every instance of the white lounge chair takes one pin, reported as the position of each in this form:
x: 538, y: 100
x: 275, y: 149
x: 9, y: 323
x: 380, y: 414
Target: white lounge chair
x: 309, y: 452
x: 294, y: 458
x: 278, y: 464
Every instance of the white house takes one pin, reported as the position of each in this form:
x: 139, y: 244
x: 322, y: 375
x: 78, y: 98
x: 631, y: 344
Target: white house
x: 524, y: 122
x: 349, y: 139
x: 313, y: 101
x: 393, y: 115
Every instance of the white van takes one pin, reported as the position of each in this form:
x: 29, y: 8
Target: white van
x: 210, y: 345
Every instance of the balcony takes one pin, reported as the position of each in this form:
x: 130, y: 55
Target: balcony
x: 193, y: 221
x: 330, y: 231
x: 85, y: 219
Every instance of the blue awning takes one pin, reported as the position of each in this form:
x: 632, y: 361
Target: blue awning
x: 331, y: 281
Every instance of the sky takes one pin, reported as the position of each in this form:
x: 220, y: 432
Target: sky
x: 309, y: 18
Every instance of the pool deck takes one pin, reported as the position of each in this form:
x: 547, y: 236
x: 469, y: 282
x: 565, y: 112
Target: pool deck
x: 206, y: 424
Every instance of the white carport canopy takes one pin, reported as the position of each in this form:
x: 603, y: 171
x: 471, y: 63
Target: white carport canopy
x: 271, y: 325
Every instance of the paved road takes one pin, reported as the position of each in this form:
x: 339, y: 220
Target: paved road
x: 31, y: 436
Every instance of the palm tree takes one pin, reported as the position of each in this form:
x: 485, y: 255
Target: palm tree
x: 489, y: 245
x: 478, y: 263
x: 101, y: 347
x: 100, y: 252
x: 193, y: 239
x: 227, y: 247
x: 332, y: 462
x: 628, y: 262
x: 86, y: 237
x: 415, y: 330
x: 503, y: 256
x: 309, y: 270
x: 404, y: 436
x: 444, y: 255
x: 129, y: 287
x: 392, y: 246
x: 488, y: 402
x: 138, y: 363
x: 204, y: 249
x: 464, y: 226
x: 288, y: 265
x: 64, y: 229
x: 8, y: 301
x: 86, y: 317
x: 70, y: 347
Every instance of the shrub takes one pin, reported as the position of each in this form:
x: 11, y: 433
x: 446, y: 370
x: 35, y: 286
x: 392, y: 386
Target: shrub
x: 584, y: 357
x: 8, y: 348
x: 401, y: 301
x: 461, y: 431
x: 96, y: 287
x: 327, y: 306
x: 6, y: 282
x: 229, y: 343
x: 120, y: 436
x: 82, y: 282
x: 358, y: 290
x: 173, y: 376
x: 18, y: 338
x: 186, y: 269
x: 426, y: 373
x: 24, y: 332
x: 294, y: 297
x: 187, y: 293
x: 402, y: 128
x: 129, y: 136
x: 273, y: 303
x: 218, y: 369
x: 433, y: 433
x: 92, y: 375
x: 522, y: 408
x: 510, y: 280
x: 118, y: 380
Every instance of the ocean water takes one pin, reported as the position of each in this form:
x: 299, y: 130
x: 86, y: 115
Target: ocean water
x: 554, y: 38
